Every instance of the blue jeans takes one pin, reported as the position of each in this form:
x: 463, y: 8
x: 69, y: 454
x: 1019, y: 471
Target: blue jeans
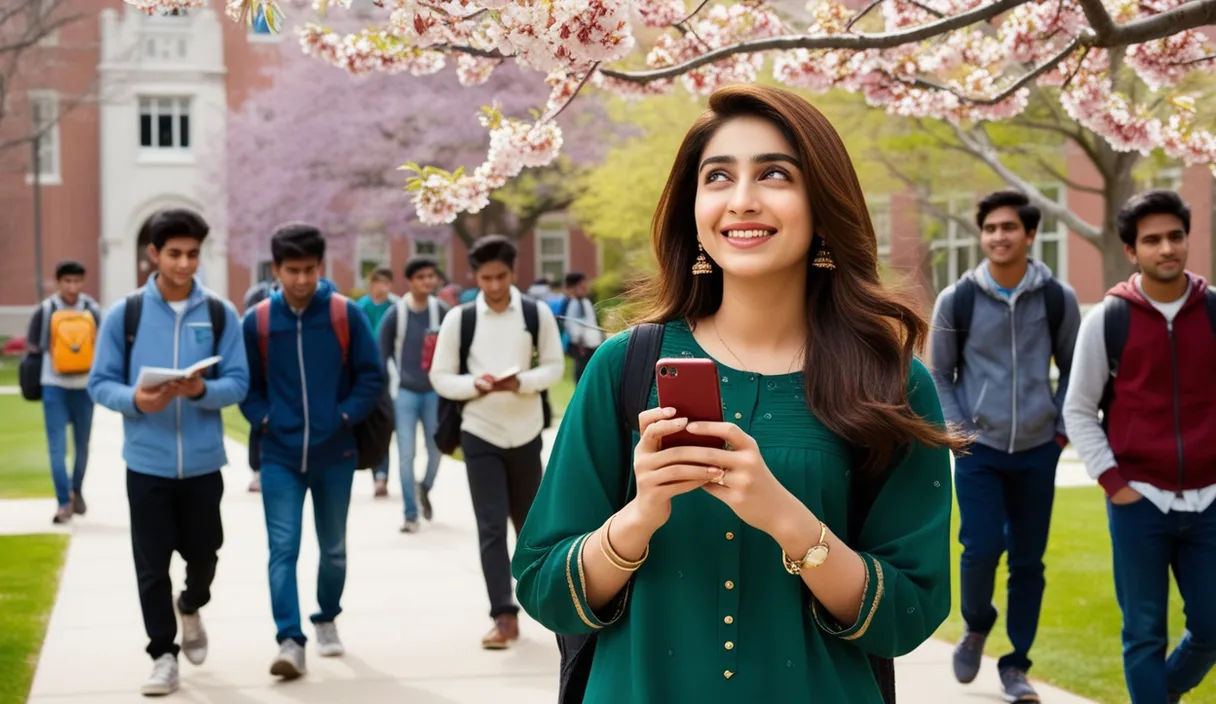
x: 1004, y: 505
x: 283, y: 491
x: 1147, y: 545
x: 411, y: 408
x: 59, y: 408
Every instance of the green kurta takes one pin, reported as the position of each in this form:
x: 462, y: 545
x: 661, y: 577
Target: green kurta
x: 712, y: 615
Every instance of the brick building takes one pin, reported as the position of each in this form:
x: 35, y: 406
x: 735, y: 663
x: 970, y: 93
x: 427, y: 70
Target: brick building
x: 130, y: 104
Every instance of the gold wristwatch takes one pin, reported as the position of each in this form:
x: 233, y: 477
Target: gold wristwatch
x: 813, y: 557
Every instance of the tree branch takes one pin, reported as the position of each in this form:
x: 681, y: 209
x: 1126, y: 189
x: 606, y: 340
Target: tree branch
x: 1198, y: 13
x: 590, y: 72
x: 1008, y: 92
x: 1064, y: 179
x: 854, y: 42
x: 470, y: 50
x: 864, y: 11
x: 983, y: 151
x: 923, y: 199
x: 1201, y: 59
x: 693, y: 13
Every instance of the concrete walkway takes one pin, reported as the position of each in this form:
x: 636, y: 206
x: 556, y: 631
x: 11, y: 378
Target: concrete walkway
x: 415, y: 609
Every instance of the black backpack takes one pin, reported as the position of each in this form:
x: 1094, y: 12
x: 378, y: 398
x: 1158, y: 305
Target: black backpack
x: 130, y: 327
x: 1116, y: 321
x: 447, y: 434
x: 964, y: 307
x: 633, y: 391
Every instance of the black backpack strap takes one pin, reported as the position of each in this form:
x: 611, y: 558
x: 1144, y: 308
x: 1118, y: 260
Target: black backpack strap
x: 1053, y: 299
x: 1209, y: 302
x: 1116, y: 319
x: 130, y: 327
x: 964, y: 307
x: 637, y: 375
x: 219, y: 320
x: 531, y: 319
x: 468, y: 326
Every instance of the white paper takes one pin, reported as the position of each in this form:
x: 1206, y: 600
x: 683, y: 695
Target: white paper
x: 152, y: 377
x: 513, y: 371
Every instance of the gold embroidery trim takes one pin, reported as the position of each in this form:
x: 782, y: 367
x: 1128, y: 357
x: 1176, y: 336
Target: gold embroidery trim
x: 578, y: 605
x: 874, y: 606
x: 837, y: 630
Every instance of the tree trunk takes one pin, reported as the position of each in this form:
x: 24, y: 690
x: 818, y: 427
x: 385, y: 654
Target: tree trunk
x: 1120, y: 185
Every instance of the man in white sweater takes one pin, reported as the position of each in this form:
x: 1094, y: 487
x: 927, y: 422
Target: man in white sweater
x: 1146, y: 360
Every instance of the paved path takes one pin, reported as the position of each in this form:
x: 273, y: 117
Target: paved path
x: 415, y: 611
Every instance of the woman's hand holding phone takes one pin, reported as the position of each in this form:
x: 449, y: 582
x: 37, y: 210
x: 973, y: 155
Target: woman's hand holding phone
x: 663, y: 474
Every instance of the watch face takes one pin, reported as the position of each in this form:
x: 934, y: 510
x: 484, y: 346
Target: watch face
x: 816, y: 555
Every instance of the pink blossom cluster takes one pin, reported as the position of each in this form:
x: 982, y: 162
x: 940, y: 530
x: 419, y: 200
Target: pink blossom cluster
x: 152, y: 6
x: 473, y: 71
x: 368, y: 51
x: 660, y: 13
x: 1167, y: 61
x: 563, y: 34
x: 721, y: 26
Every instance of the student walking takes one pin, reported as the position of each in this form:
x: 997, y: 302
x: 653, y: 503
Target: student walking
x: 314, y: 376
x: 378, y: 301
x: 408, y: 333
x: 62, y: 342
x: 255, y: 295
x: 501, y: 332
x: 173, y: 441
x: 1145, y: 361
x: 578, y: 317
x: 995, y: 334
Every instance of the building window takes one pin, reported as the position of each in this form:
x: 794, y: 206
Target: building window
x: 164, y: 123
x: 1169, y: 179
x: 1051, y: 242
x: 373, y: 252
x: 435, y: 250
x: 265, y: 271
x: 953, y: 249
x: 880, y: 218
x: 44, y: 124
x: 552, y: 248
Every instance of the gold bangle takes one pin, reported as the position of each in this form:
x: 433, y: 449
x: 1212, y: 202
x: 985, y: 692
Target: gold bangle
x: 613, y: 556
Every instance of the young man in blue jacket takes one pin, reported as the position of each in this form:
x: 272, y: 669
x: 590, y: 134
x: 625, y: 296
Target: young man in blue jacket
x: 174, y: 436
x: 306, y: 395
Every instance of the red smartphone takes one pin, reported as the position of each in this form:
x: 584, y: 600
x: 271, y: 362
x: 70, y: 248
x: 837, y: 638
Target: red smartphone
x: 689, y: 385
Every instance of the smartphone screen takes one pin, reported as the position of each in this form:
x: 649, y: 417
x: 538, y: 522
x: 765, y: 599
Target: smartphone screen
x: 690, y: 386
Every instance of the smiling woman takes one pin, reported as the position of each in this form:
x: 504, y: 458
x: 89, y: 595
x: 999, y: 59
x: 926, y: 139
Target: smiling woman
x: 815, y: 532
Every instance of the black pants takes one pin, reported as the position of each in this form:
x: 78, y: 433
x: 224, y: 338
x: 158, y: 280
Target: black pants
x: 170, y: 515
x: 503, y: 484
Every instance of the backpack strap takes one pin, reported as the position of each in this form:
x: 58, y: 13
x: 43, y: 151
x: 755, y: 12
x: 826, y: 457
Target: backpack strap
x: 261, y: 314
x: 432, y: 307
x: 1209, y: 302
x: 468, y: 326
x: 402, y: 317
x: 130, y: 327
x: 637, y: 375
x: 219, y: 321
x: 1053, y: 299
x: 339, y: 318
x: 531, y: 319
x: 1116, y: 320
x: 964, y: 307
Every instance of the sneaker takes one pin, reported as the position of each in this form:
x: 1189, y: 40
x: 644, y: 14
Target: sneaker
x: 968, y: 655
x: 63, y: 515
x: 381, y: 488
x: 1016, y: 687
x: 194, y: 636
x: 327, y: 640
x: 164, y: 679
x: 289, y: 664
x: 255, y: 486
x: 79, y: 507
x: 410, y: 527
x: 424, y: 502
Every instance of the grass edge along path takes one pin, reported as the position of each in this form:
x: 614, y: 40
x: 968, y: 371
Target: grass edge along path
x: 29, y: 581
x: 1078, y: 646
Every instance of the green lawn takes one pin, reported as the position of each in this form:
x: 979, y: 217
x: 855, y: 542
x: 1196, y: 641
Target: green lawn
x: 235, y: 425
x: 1077, y: 647
x: 29, y: 579
x: 8, y: 370
x: 24, y: 473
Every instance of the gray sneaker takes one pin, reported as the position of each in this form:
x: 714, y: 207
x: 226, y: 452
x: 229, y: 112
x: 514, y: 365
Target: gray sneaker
x: 968, y: 655
x: 410, y: 527
x: 194, y: 636
x: 164, y: 679
x: 327, y: 640
x: 1016, y: 687
x: 290, y: 661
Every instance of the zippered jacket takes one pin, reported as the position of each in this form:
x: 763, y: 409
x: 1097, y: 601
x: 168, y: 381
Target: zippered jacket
x: 186, y: 439
x: 999, y: 389
x: 1161, y: 426
x: 303, y: 401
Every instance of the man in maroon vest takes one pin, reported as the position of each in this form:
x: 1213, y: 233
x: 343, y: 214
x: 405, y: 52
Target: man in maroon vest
x: 1146, y: 358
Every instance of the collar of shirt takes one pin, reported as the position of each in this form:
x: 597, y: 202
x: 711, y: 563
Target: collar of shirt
x: 484, y: 308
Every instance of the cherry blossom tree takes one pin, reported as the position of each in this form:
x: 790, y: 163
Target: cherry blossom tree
x: 957, y: 61
x: 321, y: 146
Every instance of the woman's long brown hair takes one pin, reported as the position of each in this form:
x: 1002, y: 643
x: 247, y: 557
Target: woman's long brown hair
x: 861, y: 337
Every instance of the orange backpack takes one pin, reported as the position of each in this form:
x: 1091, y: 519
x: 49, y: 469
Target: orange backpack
x: 73, y: 335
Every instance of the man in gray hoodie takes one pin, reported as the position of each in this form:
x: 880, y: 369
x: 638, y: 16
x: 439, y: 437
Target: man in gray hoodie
x: 995, y: 333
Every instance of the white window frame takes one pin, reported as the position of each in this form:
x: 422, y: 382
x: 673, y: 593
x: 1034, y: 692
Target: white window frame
x: 1169, y: 178
x: 552, y: 227
x: 51, y: 38
x: 1059, y: 235
x: 957, y: 238
x: 441, y: 253
x: 177, y: 102
x: 880, y: 218
x: 373, y: 248
x: 50, y: 139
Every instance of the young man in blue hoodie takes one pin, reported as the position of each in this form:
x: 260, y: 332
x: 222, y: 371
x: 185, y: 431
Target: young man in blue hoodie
x: 307, y: 392
x: 994, y: 336
x: 174, y: 436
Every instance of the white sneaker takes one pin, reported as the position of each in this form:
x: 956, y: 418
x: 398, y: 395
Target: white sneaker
x: 327, y: 640
x: 194, y: 637
x: 290, y: 662
x: 164, y: 679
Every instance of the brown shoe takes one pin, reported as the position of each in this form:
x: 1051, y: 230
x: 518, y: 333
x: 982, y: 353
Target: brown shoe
x: 505, y: 630
x: 381, y: 488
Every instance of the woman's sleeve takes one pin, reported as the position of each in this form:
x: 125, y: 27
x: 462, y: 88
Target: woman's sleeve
x: 904, y: 544
x: 584, y: 483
